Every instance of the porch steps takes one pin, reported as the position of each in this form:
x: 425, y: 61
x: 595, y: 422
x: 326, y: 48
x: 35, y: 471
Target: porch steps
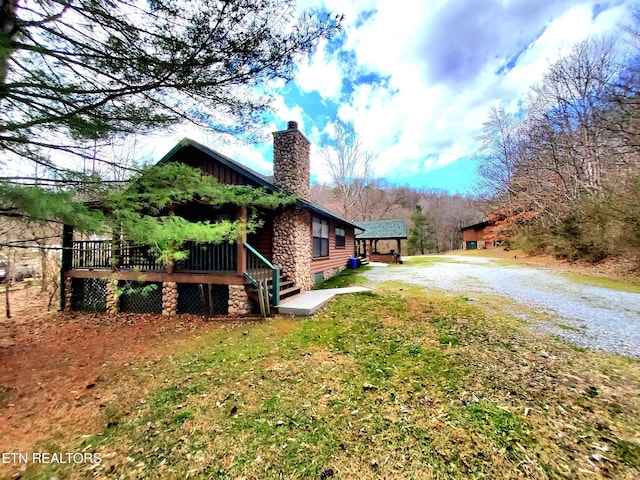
x: 289, y: 292
x: 288, y: 288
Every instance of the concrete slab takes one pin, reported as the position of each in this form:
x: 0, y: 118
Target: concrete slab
x: 310, y: 302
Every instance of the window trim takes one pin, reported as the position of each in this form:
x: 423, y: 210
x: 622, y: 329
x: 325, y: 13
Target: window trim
x: 319, y: 239
x: 343, y: 244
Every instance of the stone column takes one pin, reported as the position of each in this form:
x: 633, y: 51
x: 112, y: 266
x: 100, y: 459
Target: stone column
x: 113, y: 301
x: 68, y: 293
x: 169, y: 298
x: 239, y: 303
x: 292, y: 246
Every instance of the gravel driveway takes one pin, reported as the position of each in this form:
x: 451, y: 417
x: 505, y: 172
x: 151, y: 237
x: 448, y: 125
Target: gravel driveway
x: 589, y: 316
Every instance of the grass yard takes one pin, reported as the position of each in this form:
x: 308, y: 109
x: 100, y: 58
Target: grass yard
x: 391, y: 384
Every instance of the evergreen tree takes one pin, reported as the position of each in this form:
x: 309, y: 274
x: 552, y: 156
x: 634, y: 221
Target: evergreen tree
x: 75, y: 74
x: 146, y: 213
x: 89, y: 69
x: 422, y: 235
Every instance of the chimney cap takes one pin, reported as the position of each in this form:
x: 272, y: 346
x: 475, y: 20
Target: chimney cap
x: 292, y: 125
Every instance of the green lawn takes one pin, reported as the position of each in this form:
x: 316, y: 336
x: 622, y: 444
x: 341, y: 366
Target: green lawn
x: 391, y: 384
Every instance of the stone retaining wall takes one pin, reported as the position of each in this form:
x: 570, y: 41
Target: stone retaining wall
x: 334, y: 271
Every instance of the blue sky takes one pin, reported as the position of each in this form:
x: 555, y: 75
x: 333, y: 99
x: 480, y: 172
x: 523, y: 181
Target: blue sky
x: 416, y: 78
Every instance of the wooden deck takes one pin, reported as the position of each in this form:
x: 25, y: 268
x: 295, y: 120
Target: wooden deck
x: 213, y: 278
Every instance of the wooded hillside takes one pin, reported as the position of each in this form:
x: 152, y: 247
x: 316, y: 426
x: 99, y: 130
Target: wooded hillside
x: 381, y: 200
x: 569, y: 158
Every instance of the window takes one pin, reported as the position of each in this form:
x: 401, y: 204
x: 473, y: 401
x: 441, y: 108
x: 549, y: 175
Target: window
x: 320, y: 238
x: 340, y: 237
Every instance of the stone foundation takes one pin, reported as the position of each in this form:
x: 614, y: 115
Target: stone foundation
x: 239, y: 303
x: 113, y: 301
x: 334, y: 271
x: 169, y: 298
x: 292, y: 245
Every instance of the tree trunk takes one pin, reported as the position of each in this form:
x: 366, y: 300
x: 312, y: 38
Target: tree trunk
x: 7, y: 286
x: 43, y: 267
x: 7, y: 31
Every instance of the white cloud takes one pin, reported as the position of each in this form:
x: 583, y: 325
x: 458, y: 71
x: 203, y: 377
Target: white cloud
x: 285, y: 114
x: 321, y: 73
x: 437, y: 67
x: 441, y: 63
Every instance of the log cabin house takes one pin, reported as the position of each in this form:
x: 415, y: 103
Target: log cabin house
x: 297, y: 247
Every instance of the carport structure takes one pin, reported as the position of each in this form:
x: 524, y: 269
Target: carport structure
x: 376, y: 230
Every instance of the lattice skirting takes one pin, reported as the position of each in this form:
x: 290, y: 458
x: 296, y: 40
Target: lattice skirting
x: 89, y: 295
x: 203, y: 299
x: 140, y: 297
x: 93, y: 294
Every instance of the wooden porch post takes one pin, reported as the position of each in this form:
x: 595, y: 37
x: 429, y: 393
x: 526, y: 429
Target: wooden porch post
x: 66, y: 261
x: 115, y: 252
x: 398, y: 240
x: 240, y: 241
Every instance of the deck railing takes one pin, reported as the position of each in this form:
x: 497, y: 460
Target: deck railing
x: 202, y: 257
x: 209, y: 257
x: 138, y: 257
x: 91, y: 254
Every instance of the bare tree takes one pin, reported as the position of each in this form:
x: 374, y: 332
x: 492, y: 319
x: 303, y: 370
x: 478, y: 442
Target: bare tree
x: 379, y: 201
x: 500, y: 151
x: 624, y: 115
x: 448, y: 213
x: 577, y: 163
x: 349, y: 164
x: 568, y: 112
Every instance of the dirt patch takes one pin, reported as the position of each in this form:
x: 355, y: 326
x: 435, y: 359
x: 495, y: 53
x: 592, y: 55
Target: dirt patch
x: 59, y: 370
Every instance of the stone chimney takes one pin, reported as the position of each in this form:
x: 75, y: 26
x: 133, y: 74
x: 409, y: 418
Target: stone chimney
x: 291, y: 161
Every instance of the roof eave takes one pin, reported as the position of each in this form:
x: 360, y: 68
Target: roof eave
x: 242, y: 170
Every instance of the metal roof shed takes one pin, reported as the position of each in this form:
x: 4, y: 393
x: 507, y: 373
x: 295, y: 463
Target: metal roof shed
x: 380, y: 230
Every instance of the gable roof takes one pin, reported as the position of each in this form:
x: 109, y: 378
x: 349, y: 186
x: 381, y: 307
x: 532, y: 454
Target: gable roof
x: 382, y: 229
x: 255, y: 177
x: 476, y: 226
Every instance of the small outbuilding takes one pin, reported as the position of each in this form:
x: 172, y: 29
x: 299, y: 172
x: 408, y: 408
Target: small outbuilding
x: 477, y: 236
x: 376, y: 230
x: 495, y: 229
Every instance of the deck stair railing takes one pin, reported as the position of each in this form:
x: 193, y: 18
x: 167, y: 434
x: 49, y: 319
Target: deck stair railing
x: 264, y: 276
